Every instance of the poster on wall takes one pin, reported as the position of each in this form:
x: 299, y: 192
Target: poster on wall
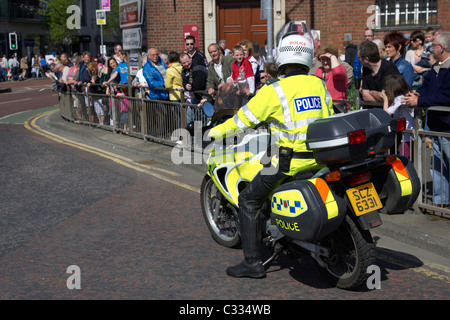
x: 101, y: 17
x: 106, y: 5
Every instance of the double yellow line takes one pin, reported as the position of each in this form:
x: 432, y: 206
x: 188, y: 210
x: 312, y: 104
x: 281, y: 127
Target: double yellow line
x: 163, y: 174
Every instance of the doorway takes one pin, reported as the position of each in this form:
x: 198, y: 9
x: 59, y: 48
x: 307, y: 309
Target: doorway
x: 239, y: 20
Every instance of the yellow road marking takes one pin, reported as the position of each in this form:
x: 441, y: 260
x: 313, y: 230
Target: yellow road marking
x: 422, y: 270
x: 31, y: 125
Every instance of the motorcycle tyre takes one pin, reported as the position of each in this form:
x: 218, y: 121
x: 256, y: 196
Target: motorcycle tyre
x: 365, y: 250
x: 230, y: 242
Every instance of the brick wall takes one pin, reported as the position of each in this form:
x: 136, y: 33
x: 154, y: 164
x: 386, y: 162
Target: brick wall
x: 165, y: 22
x: 334, y: 18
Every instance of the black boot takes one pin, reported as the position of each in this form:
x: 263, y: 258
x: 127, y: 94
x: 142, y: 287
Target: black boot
x: 251, y: 266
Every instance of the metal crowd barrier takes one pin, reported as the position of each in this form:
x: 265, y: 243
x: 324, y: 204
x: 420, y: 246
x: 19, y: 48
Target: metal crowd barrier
x: 161, y: 121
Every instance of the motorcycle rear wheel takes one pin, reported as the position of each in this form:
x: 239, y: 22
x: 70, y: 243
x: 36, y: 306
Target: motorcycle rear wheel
x: 219, y: 219
x: 352, y: 252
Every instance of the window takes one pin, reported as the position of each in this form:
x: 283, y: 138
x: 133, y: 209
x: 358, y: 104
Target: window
x: 399, y: 13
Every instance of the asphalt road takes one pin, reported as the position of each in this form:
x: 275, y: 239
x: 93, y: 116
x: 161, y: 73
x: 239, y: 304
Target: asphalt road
x: 134, y: 228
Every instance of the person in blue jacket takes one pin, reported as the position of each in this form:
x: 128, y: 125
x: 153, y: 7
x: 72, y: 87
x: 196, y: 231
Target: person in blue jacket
x: 435, y: 91
x: 153, y: 74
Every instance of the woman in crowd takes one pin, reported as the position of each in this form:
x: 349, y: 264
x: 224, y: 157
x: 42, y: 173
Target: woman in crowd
x: 333, y: 73
x: 395, y: 45
x: 94, y: 89
x: 418, y: 57
x: 174, y: 82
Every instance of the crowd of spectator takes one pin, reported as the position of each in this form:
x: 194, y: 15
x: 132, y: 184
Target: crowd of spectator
x: 191, y: 77
x: 396, y: 70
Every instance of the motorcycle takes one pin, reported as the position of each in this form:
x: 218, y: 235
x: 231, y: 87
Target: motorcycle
x: 326, y: 211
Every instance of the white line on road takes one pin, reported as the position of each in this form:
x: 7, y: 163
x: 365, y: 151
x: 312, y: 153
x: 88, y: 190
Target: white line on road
x: 13, y: 101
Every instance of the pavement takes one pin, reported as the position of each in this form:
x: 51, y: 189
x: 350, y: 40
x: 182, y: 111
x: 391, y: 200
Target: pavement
x: 412, y: 231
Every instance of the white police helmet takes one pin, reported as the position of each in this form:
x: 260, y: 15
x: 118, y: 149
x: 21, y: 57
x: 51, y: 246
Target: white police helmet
x: 295, y: 46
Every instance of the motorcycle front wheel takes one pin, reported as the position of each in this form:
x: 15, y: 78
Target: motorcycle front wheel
x: 219, y: 219
x: 351, y: 253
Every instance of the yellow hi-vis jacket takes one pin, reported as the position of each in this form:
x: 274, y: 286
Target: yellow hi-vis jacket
x: 288, y: 106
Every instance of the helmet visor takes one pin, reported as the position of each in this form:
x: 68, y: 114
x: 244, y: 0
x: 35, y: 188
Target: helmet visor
x: 296, y: 27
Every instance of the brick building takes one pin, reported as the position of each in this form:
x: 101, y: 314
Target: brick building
x: 337, y: 20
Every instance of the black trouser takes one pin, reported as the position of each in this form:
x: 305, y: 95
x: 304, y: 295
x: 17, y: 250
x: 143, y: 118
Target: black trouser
x: 251, y: 201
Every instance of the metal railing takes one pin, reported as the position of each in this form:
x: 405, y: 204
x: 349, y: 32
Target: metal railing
x: 160, y: 121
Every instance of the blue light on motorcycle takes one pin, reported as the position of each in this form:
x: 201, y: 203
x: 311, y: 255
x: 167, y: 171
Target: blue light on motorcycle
x: 356, y: 137
x: 208, y: 109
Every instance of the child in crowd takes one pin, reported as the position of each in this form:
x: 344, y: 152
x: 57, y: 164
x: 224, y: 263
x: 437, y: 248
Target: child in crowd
x: 124, y: 108
x: 396, y: 88
x: 242, y: 71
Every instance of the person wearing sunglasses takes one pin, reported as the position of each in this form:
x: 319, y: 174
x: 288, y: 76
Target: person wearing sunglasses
x: 196, y: 56
x: 418, y: 57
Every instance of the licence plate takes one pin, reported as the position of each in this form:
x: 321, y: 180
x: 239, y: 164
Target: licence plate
x: 364, y: 199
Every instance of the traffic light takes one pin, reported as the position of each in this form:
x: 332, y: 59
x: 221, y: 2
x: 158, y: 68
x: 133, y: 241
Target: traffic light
x: 13, y: 41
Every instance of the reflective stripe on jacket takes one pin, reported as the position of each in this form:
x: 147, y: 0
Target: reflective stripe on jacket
x: 288, y: 106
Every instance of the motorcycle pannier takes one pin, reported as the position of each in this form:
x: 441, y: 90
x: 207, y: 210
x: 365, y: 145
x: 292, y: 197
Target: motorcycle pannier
x: 330, y: 141
x: 307, y: 210
x: 402, y: 186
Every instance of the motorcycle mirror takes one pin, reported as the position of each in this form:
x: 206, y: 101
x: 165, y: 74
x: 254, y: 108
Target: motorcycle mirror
x: 208, y: 109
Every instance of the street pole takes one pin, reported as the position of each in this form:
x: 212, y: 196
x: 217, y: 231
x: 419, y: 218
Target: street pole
x: 103, y: 54
x: 270, y: 31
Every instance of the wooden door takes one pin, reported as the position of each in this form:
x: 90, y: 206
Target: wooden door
x: 239, y: 20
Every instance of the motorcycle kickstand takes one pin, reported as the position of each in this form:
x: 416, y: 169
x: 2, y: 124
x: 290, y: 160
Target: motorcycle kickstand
x: 276, y: 252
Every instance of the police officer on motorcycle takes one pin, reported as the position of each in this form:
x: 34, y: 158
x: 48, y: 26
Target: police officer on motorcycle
x: 288, y: 106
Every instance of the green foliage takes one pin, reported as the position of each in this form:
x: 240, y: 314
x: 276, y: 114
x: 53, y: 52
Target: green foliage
x: 56, y: 19
x: 112, y: 28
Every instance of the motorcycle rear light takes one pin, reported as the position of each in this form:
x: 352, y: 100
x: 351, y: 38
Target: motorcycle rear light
x: 356, y: 137
x: 333, y: 176
x: 360, y: 178
x: 401, y: 124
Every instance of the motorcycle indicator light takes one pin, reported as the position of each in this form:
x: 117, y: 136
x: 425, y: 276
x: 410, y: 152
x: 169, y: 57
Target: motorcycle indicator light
x: 390, y: 159
x: 356, y: 137
x: 401, y: 124
x: 333, y: 176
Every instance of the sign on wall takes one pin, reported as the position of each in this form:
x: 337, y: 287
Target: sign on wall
x: 131, y: 13
x: 132, y: 38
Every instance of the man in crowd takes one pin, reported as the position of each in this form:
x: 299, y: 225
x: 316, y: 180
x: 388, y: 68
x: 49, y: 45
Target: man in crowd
x: 223, y: 45
x: 153, y: 73
x: 194, y: 79
x: 196, y: 56
x: 369, y: 34
x: 219, y: 70
x: 434, y: 91
x: 374, y: 71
